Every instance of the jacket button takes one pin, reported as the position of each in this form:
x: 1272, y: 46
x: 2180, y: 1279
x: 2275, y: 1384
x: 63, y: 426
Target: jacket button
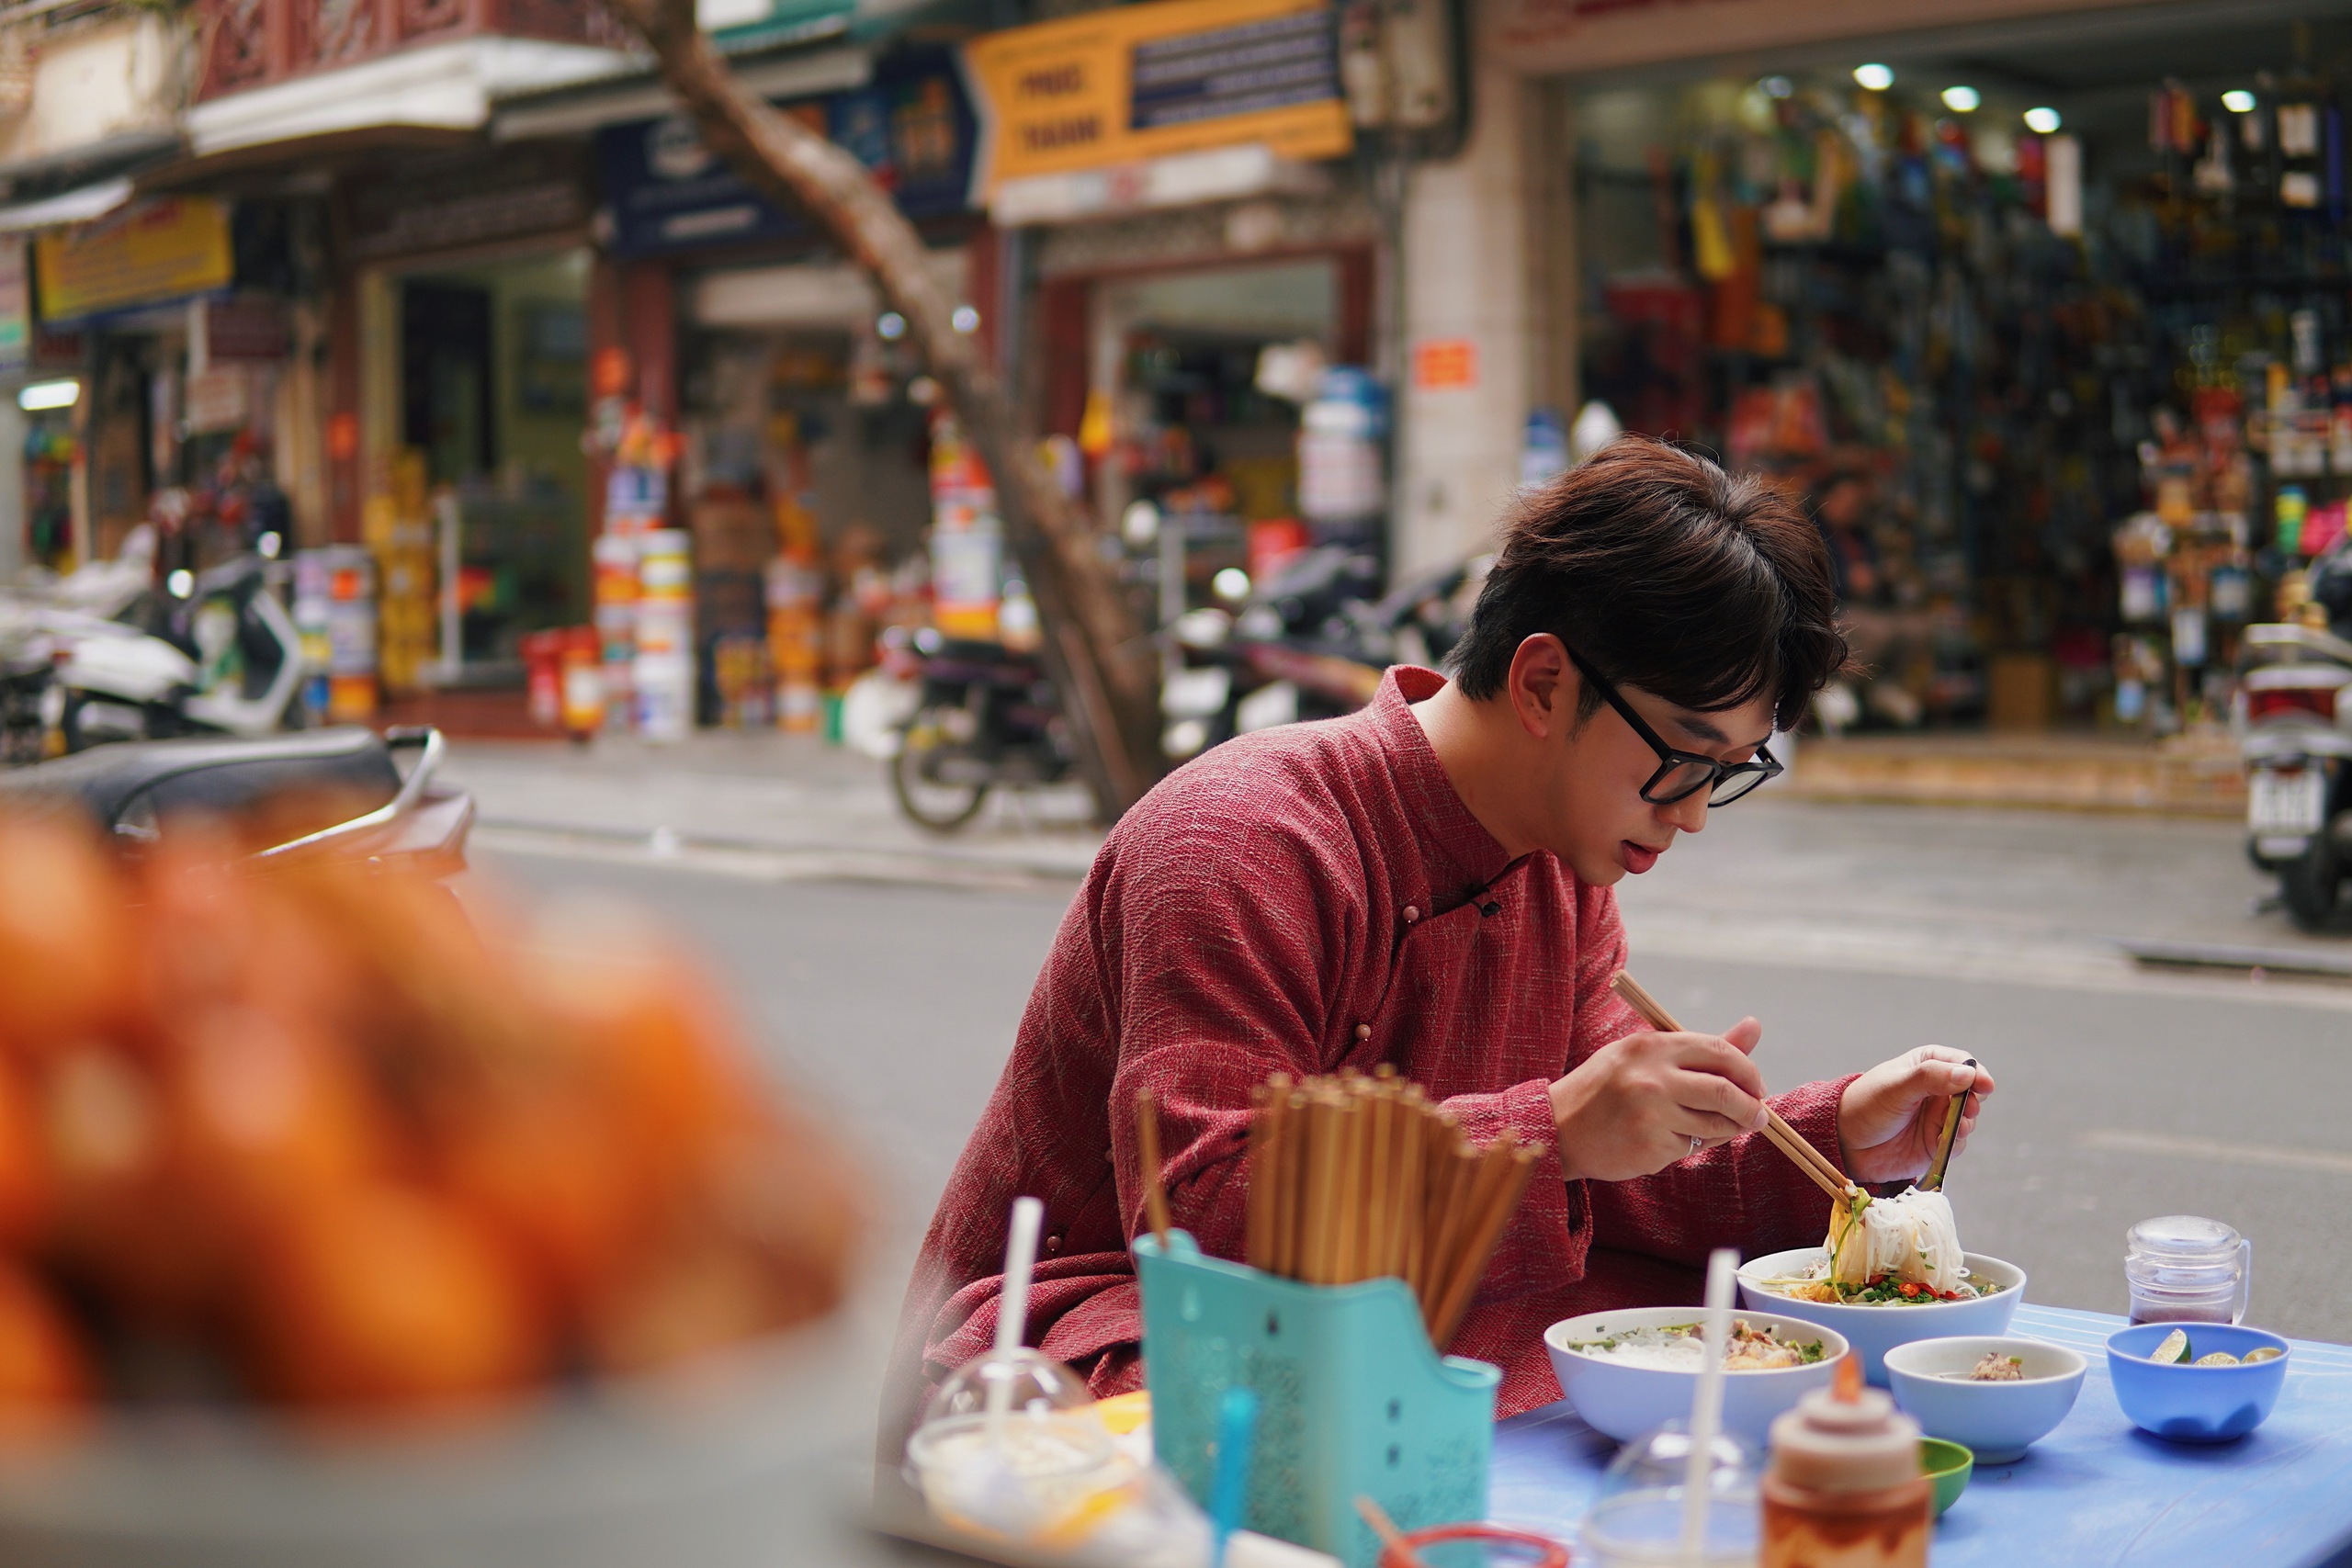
x: 1412, y: 913
x: 1054, y: 1243
x: 1364, y: 1032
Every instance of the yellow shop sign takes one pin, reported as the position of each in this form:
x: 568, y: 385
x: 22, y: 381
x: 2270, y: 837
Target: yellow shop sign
x: 150, y: 251
x: 1140, y: 82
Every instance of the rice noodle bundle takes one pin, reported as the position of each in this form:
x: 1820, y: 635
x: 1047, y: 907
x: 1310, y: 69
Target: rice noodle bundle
x: 1910, y: 1236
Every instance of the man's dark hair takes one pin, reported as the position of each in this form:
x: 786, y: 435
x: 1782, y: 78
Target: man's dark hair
x: 1663, y: 573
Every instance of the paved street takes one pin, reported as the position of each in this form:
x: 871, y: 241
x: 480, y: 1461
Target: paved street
x: 1936, y: 890
x: 1853, y: 933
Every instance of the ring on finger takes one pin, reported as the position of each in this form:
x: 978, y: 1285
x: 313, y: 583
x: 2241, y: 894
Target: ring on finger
x: 1696, y: 1144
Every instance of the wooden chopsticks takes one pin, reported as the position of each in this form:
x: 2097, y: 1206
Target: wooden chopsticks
x: 1355, y: 1177
x: 1812, y: 1161
x: 1155, y: 1189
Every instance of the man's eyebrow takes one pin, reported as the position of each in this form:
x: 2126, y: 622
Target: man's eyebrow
x: 1703, y: 728
x: 1707, y: 729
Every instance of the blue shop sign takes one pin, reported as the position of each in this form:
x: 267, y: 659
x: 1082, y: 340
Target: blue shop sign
x: 912, y: 125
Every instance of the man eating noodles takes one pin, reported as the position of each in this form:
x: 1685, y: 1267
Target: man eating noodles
x: 1428, y: 882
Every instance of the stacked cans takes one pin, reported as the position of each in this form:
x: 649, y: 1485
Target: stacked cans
x: 663, y: 669
x: 616, y: 561
x: 967, y: 539
x: 795, y: 592
x: 335, y: 612
x: 645, y: 610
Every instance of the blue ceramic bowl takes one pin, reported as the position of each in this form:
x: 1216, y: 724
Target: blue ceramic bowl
x: 2192, y: 1403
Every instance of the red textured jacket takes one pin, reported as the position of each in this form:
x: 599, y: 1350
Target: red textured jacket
x: 1304, y: 899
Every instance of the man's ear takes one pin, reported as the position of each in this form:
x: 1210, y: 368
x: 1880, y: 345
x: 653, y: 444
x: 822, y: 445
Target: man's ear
x: 1544, y: 686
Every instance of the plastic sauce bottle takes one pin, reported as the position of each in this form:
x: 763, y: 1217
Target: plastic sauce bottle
x: 1843, y: 1489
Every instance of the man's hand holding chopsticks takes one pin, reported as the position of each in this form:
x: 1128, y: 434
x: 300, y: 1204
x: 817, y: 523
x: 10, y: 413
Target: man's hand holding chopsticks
x: 1890, y: 1117
x: 1641, y: 1102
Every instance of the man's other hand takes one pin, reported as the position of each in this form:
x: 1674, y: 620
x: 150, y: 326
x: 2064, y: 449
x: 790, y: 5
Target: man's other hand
x: 1633, y: 1106
x: 1889, y: 1118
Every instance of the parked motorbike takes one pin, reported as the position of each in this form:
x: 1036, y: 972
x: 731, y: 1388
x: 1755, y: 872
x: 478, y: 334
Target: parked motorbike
x: 986, y: 716
x: 223, y: 658
x: 1308, y: 644
x: 2297, y: 745
x: 340, y: 794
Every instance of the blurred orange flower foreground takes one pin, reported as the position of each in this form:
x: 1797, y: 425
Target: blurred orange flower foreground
x: 305, y: 1136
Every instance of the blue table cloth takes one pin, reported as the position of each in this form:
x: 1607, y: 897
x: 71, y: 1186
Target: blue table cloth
x: 2097, y: 1490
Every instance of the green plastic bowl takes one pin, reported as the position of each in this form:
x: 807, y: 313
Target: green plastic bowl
x: 1949, y: 1465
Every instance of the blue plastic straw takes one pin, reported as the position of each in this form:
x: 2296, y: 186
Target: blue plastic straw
x: 1236, y: 1428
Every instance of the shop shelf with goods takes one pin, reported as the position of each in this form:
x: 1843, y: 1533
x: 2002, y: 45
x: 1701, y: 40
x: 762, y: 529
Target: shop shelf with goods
x: 808, y: 468
x: 735, y: 544
x: 518, y: 568
x: 399, y: 527
x: 1979, y: 345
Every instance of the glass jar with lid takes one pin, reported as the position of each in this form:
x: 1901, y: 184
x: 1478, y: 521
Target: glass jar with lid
x: 2183, y: 1269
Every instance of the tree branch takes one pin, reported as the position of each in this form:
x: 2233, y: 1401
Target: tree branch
x: 1092, y: 648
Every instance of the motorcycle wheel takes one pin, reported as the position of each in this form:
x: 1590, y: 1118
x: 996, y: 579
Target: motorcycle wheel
x: 939, y: 808
x: 2308, y: 885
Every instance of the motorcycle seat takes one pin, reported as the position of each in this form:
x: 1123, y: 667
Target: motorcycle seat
x: 302, y: 781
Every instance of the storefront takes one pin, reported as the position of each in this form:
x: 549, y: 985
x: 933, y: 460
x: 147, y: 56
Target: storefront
x: 1200, y: 260
x: 152, y: 371
x: 471, y: 279
x: 804, y: 430
x: 2049, y: 334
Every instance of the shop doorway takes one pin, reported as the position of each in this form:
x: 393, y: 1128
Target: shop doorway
x: 1178, y: 355
x: 447, y: 394
x: 806, y: 481
x: 492, y: 396
x: 1172, y: 356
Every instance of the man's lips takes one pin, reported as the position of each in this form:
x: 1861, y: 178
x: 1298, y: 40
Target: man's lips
x: 1637, y: 857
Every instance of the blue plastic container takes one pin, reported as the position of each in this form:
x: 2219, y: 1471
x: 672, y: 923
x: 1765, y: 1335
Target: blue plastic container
x: 2192, y: 1403
x: 1352, y: 1400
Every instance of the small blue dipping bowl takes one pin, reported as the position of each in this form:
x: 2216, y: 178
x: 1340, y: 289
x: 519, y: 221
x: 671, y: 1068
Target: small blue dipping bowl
x: 2192, y: 1403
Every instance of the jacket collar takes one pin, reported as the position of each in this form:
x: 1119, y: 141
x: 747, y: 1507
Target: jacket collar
x: 1462, y: 856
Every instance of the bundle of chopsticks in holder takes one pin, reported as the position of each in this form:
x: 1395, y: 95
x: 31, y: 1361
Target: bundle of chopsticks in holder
x: 1354, y: 1177
x: 1787, y: 1139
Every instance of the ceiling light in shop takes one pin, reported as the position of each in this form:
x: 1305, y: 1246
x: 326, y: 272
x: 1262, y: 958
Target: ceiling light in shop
x: 2042, y: 121
x: 2237, y: 100
x: 1877, y: 78
x: 1962, y: 100
x: 50, y: 395
x: 1776, y: 87
x: 965, y: 319
x: 891, y: 327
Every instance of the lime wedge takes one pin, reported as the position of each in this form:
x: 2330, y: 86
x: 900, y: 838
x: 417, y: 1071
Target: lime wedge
x: 2217, y: 1359
x: 2174, y: 1349
x: 2262, y: 1353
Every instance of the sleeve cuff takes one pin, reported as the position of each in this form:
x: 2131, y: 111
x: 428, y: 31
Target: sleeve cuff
x: 1546, y: 1243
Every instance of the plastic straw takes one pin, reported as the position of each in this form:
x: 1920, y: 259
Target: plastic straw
x: 1012, y: 1303
x: 1236, y: 1428
x: 1707, y: 1405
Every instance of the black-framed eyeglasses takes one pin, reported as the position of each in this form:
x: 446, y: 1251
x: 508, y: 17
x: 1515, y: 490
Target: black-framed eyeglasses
x: 1681, y: 775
